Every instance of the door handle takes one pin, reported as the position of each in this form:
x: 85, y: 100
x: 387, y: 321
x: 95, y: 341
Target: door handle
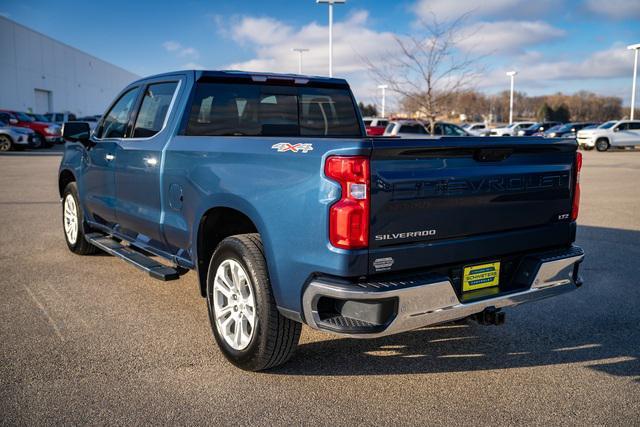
x: 109, y: 157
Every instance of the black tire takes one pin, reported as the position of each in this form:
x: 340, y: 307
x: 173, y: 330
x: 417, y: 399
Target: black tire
x: 587, y: 147
x: 44, y: 143
x: 274, y: 337
x: 602, y: 144
x: 80, y: 246
x: 38, y: 141
x: 5, y: 143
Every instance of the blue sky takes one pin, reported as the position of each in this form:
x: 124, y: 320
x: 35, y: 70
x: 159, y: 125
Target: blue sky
x: 557, y: 45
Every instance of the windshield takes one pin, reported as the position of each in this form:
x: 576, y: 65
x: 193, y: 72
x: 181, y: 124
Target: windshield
x: 608, y: 124
x: 23, y: 117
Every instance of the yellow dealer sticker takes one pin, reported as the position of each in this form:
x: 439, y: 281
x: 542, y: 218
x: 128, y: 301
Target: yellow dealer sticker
x: 481, y: 276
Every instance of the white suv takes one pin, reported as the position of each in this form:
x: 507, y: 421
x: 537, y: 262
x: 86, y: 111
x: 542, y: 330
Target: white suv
x: 622, y: 133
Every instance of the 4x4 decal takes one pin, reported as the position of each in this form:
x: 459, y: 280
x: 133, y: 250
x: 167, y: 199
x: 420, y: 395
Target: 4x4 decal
x: 283, y: 147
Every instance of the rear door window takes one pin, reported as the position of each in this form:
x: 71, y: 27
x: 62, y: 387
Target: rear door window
x: 154, y: 109
x: 250, y: 109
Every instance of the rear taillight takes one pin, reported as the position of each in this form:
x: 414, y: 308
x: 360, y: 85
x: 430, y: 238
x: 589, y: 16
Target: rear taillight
x: 349, y: 216
x: 575, y: 208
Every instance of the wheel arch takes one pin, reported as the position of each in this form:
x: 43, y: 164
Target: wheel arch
x: 216, y: 224
x: 64, y: 178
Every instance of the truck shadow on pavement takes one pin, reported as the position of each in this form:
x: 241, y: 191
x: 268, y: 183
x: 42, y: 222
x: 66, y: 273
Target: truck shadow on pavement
x: 595, y: 326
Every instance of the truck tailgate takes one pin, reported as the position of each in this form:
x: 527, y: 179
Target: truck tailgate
x: 433, y: 195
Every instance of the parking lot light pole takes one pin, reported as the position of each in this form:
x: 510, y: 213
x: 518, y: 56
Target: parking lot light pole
x: 300, y: 52
x: 511, y: 74
x: 331, y: 3
x: 634, y: 47
x: 383, y: 87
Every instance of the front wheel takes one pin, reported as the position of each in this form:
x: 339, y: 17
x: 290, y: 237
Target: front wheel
x: 73, y: 222
x: 5, y: 143
x: 602, y: 145
x: 244, y: 318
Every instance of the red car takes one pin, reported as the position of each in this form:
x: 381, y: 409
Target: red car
x: 46, y: 134
x: 375, y: 126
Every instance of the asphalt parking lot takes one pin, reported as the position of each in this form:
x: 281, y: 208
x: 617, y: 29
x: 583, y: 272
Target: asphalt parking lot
x: 92, y: 340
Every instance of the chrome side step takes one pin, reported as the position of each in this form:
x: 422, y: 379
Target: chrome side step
x: 154, y: 268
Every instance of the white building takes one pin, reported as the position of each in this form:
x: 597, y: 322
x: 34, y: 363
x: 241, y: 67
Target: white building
x: 42, y: 75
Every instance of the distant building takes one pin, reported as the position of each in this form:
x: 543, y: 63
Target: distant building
x: 42, y: 75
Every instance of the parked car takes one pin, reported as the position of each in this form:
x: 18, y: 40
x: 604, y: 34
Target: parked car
x: 60, y: 118
x: 375, y: 126
x: 477, y: 129
x: 38, y: 117
x: 568, y: 130
x: 15, y: 138
x: 537, y: 128
x: 621, y: 133
x: 46, y: 135
x: 269, y: 188
x: 417, y: 129
x: 510, y: 130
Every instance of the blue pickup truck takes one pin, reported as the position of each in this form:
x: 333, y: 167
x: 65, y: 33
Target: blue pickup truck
x: 268, y: 187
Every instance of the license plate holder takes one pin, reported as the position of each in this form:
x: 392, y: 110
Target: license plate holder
x: 480, y: 276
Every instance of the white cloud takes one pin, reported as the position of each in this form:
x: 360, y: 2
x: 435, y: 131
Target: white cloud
x: 179, y: 50
x: 506, y: 36
x: 192, y: 66
x: 273, y: 42
x: 261, y: 31
x: 612, y: 63
x: 615, y: 9
x: 445, y: 10
x: 171, y: 46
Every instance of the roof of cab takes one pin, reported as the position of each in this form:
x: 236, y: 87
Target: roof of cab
x: 254, y: 75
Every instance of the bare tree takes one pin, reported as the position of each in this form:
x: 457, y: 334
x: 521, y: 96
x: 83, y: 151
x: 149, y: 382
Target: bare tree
x: 428, y: 70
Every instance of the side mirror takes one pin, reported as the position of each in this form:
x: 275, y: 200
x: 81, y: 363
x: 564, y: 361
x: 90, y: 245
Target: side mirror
x: 573, y: 129
x: 13, y: 121
x: 77, y: 132
x: 616, y: 129
x: 541, y: 128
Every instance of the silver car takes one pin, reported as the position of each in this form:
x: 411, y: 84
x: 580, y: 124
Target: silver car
x: 16, y: 138
x: 416, y: 129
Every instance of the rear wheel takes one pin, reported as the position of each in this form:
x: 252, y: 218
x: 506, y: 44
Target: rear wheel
x: 73, y: 222
x: 245, y: 321
x: 5, y: 143
x: 602, y: 144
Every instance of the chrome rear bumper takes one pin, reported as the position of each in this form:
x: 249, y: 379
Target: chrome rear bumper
x: 431, y: 300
